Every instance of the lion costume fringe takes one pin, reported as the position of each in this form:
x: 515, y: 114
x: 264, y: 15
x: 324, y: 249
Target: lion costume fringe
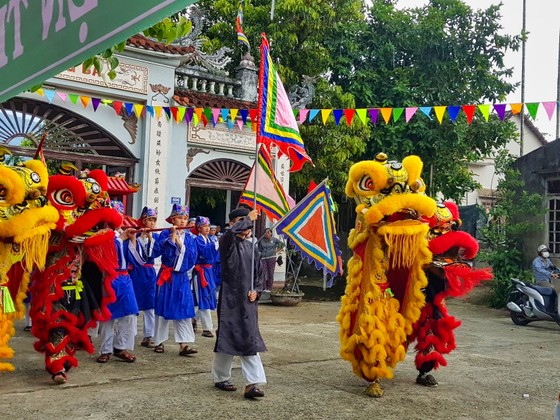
x: 26, y: 220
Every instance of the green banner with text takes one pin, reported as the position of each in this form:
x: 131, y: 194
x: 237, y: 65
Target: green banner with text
x: 41, y: 38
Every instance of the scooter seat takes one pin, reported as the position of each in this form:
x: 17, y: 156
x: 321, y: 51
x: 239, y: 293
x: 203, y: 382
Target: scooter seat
x: 544, y: 291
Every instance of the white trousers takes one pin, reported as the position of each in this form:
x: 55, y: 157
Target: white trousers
x: 182, y: 328
x: 205, y: 317
x: 251, y: 368
x: 149, y: 323
x: 118, y: 334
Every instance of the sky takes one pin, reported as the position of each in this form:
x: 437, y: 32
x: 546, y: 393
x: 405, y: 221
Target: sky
x: 541, y: 55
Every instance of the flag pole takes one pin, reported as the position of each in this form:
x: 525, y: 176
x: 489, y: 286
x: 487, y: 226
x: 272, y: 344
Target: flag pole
x: 257, y: 144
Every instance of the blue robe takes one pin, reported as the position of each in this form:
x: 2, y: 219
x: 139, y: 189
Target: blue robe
x: 174, y: 299
x: 207, y: 253
x: 217, y: 263
x: 144, y: 276
x: 122, y: 284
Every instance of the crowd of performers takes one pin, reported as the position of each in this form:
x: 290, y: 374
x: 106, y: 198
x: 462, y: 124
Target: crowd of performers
x: 80, y: 274
x: 61, y: 236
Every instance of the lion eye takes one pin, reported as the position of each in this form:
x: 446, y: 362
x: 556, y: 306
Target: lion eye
x: 3, y: 192
x: 63, y: 197
x: 35, y: 177
x: 366, y: 183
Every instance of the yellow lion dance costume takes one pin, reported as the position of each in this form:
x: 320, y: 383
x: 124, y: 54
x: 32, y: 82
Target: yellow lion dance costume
x: 26, y: 220
x: 383, y: 296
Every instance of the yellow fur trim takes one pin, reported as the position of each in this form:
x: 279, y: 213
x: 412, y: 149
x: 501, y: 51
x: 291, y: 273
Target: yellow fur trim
x: 6, y: 332
x: 12, y: 182
x: 374, y: 170
x: 413, y: 165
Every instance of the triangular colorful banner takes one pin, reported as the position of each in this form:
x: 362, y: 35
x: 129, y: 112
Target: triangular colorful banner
x: 439, y: 110
x: 311, y: 229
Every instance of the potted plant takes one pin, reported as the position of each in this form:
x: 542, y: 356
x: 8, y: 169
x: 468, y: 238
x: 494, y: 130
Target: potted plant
x: 290, y: 294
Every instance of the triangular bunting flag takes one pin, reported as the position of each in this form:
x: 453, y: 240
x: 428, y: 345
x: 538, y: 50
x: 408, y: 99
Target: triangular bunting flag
x: 181, y: 113
x: 167, y: 112
x: 62, y: 95
x: 240, y: 124
x: 325, y: 115
x: 311, y: 229
x: 138, y: 108
x: 40, y: 92
x: 409, y: 113
x: 338, y: 113
x: 386, y: 114
x: 207, y: 112
x: 195, y: 120
x: 106, y: 102
x: 469, y: 112
x: 150, y: 110
x: 173, y: 110
x: 397, y: 112
x: 500, y: 110
x: 312, y: 114
x: 205, y: 118
x: 85, y: 100
x: 95, y: 103
x: 118, y: 106
x: 229, y: 124
x: 440, y: 111
x: 73, y: 98
x: 253, y: 115
x: 516, y: 108
x: 188, y: 115
x: 157, y: 110
x: 362, y: 113
x: 224, y: 112
x: 426, y: 110
x: 129, y: 107
x: 198, y: 112
x: 453, y: 112
x: 485, y: 111
x: 532, y: 107
x: 49, y: 93
x: 233, y: 113
x: 550, y: 107
x: 303, y: 115
x: 244, y: 113
x: 215, y: 115
x: 349, y: 114
x: 373, y: 114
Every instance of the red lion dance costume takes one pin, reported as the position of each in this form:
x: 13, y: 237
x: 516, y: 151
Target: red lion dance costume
x: 26, y: 221
x: 73, y: 292
x: 449, y: 274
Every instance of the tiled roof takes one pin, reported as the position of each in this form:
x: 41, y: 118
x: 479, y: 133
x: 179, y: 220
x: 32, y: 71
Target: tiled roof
x: 206, y: 100
x: 118, y: 185
x: 140, y: 41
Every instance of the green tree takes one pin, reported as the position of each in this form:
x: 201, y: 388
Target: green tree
x: 442, y: 54
x: 509, y: 223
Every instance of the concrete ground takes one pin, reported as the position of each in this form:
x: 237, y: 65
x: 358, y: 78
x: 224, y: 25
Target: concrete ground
x: 499, y: 371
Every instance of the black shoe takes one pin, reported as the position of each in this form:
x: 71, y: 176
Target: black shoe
x: 254, y: 392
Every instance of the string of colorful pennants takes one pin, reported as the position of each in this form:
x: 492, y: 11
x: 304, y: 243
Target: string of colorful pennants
x: 249, y: 116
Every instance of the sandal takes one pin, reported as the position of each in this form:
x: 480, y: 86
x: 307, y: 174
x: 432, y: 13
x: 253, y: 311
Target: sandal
x: 225, y: 386
x: 124, y: 355
x: 254, y: 392
x: 159, y: 348
x: 187, y: 351
x: 207, y: 333
x: 147, y: 342
x: 104, y: 358
x: 59, y: 378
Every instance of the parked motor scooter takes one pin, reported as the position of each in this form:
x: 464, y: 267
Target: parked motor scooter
x: 529, y: 302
